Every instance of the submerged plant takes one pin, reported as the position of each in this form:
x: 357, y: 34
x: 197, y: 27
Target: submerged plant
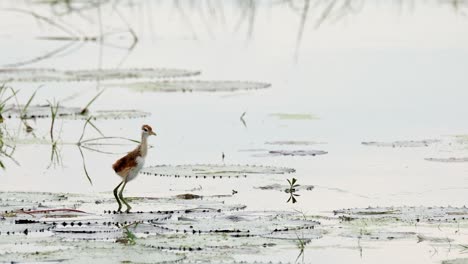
x: 301, y: 243
x: 129, y: 237
x: 55, y: 155
x: 292, y: 190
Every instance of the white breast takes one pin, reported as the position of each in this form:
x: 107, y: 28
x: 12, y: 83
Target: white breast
x: 134, y: 172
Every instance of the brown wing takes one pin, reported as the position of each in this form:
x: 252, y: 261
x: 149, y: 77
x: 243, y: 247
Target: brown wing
x: 124, y: 164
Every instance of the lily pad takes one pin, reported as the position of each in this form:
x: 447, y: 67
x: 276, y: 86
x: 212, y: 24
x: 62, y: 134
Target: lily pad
x: 285, y: 188
x: 406, y: 214
x: 294, y: 116
x: 94, y: 252
x: 379, y: 235
x: 212, y: 171
x: 456, y: 261
x: 193, y: 86
x: 448, y: 160
x: 402, y: 143
x: 293, y: 143
x: 44, y: 111
x: 296, y: 152
x: 244, y: 223
x: 45, y: 75
x: 276, y: 153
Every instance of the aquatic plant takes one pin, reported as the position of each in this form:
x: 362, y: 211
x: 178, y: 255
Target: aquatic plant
x: 129, y: 237
x: 292, y: 190
x: 300, y: 243
x: 85, y: 109
x: 55, y: 157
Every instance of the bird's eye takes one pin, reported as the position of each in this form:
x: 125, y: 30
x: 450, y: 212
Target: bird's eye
x: 145, y: 129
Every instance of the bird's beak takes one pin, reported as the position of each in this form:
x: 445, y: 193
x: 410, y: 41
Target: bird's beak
x: 152, y: 133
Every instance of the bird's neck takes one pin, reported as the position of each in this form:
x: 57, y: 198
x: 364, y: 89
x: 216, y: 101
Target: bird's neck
x: 144, y: 145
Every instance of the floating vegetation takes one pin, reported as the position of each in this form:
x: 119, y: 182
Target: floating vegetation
x: 424, y: 238
x: 173, y: 226
x: 406, y: 214
x: 244, y: 223
x: 294, y: 143
x: 212, y: 171
x: 402, y: 143
x: 193, y: 86
x: 285, y: 188
x: 55, y: 75
x: 296, y: 152
x: 290, y: 116
x: 274, y: 153
x: 292, y: 190
x: 43, y: 111
x: 379, y: 235
x: 456, y: 261
x: 91, y: 252
x: 448, y: 160
x: 461, y: 139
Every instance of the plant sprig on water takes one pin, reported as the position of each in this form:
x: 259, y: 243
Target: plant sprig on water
x: 129, y: 237
x: 23, y: 115
x: 55, y: 155
x: 3, y: 101
x: 292, y: 190
x: 301, y: 243
x: 85, y: 110
x: 5, y: 149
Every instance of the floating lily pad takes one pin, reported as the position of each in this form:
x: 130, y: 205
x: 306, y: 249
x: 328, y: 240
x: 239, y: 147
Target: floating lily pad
x: 208, y: 242
x: 44, y: 111
x: 193, y: 86
x: 456, y: 261
x: 296, y: 152
x: 94, y: 252
x: 424, y: 238
x: 293, y: 116
x: 275, y: 153
x: 285, y: 188
x: 44, y: 74
x: 13, y: 201
x: 448, y: 160
x: 379, y: 235
x: 212, y: 171
x: 406, y: 213
x: 403, y: 143
x: 244, y: 223
x: 115, y: 114
x: 293, y: 143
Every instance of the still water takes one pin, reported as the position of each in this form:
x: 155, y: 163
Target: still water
x: 341, y: 73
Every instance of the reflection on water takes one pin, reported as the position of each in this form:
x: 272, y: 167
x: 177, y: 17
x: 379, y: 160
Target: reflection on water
x: 121, y: 24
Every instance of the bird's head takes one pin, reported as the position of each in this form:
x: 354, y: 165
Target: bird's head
x: 147, y: 130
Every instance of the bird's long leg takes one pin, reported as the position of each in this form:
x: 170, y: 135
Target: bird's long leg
x: 116, y: 197
x: 122, y: 198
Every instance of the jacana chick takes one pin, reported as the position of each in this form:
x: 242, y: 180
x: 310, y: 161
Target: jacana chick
x: 130, y: 165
